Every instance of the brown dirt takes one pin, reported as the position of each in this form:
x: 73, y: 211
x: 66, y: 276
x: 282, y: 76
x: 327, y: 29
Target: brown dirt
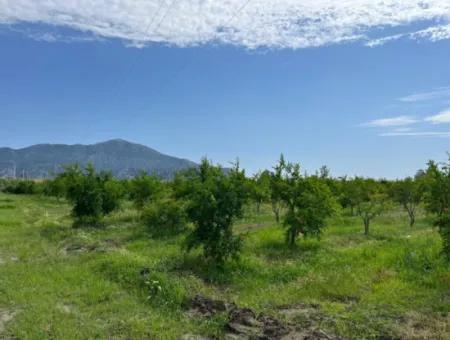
x: 244, y: 323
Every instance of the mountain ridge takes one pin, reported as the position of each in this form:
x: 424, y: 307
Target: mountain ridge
x: 123, y: 158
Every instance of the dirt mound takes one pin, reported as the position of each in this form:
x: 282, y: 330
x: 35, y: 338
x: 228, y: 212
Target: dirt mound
x: 203, y: 306
x: 244, y: 323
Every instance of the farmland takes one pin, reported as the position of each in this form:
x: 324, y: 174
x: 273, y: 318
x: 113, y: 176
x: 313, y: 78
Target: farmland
x: 120, y: 282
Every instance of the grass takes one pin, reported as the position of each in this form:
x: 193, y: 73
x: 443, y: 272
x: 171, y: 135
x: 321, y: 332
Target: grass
x: 63, y: 283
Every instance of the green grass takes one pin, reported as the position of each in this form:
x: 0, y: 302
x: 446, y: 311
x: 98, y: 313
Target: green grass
x: 63, y: 283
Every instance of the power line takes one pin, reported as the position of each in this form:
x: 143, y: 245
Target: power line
x: 146, y: 31
x: 134, y: 62
x: 186, y: 63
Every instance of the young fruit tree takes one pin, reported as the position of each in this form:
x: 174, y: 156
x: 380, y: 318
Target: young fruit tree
x: 164, y: 217
x: 308, y: 200
x: 276, y: 186
x: 93, y: 195
x: 348, y: 194
x: 371, y: 201
x: 214, y: 200
x: 409, y: 194
x: 144, y: 188
x: 438, y: 200
x: 259, y: 189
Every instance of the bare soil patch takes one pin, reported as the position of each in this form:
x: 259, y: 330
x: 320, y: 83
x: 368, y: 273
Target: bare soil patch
x: 244, y: 323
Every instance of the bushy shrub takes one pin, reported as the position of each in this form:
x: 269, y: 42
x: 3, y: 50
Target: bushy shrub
x: 308, y: 200
x: 20, y: 187
x: 443, y: 223
x: 259, y: 189
x: 3, y: 184
x: 144, y: 188
x: 214, y: 201
x: 165, y: 217
x: 438, y: 200
x: 56, y: 187
x: 92, y: 194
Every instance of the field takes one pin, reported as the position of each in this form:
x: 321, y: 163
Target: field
x: 117, y: 282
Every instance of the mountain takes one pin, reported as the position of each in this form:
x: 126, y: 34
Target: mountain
x: 122, y: 158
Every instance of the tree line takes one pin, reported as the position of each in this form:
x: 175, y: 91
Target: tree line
x: 211, y: 200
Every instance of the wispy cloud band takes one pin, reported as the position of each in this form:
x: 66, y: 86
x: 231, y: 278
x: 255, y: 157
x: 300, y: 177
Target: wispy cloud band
x: 256, y: 23
x: 439, y: 93
x: 442, y: 117
x: 394, y: 121
x: 416, y: 134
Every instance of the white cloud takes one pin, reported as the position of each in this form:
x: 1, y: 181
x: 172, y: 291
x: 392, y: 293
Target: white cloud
x: 416, y: 134
x: 256, y: 23
x: 441, y: 118
x: 395, y: 121
x: 403, y: 129
x: 442, y: 92
x: 433, y: 33
x: 384, y: 40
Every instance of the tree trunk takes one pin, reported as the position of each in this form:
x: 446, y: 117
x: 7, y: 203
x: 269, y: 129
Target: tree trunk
x: 366, y: 226
x: 411, y: 213
x: 276, y: 211
x: 412, y: 220
x: 291, y: 235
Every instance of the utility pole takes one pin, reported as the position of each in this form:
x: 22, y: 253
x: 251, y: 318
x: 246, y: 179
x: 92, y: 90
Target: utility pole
x: 14, y: 169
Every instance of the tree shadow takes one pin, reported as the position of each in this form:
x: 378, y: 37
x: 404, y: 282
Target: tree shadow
x: 274, y: 250
x: 197, y: 265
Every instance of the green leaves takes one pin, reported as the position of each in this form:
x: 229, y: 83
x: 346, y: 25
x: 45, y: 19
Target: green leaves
x: 438, y: 200
x: 144, y: 188
x: 92, y: 194
x: 308, y: 199
x: 214, y: 201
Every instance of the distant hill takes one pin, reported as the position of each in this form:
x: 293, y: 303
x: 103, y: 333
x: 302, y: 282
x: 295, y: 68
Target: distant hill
x: 122, y: 158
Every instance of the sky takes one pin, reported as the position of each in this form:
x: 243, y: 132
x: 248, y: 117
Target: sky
x: 361, y: 86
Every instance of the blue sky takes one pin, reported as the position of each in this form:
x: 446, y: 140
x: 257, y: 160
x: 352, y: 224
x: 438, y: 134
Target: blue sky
x: 371, y: 101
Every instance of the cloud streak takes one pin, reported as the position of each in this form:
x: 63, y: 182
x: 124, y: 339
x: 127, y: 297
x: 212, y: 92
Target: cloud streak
x: 416, y: 134
x: 440, y: 93
x: 433, y: 33
x: 260, y: 23
x: 441, y: 118
x: 395, y: 121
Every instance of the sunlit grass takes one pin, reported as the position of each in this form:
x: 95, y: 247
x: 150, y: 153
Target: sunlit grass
x: 84, y: 283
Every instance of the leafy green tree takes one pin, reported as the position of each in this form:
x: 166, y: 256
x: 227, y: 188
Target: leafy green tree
x: 438, y: 200
x: 93, y: 195
x: 409, y: 193
x: 437, y: 182
x: 308, y: 199
x: 371, y: 201
x: 144, y: 188
x: 348, y: 194
x: 214, y: 201
x: 165, y: 217
x: 260, y: 189
x: 111, y: 192
x: 277, y: 187
x: 21, y: 187
x: 56, y: 187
